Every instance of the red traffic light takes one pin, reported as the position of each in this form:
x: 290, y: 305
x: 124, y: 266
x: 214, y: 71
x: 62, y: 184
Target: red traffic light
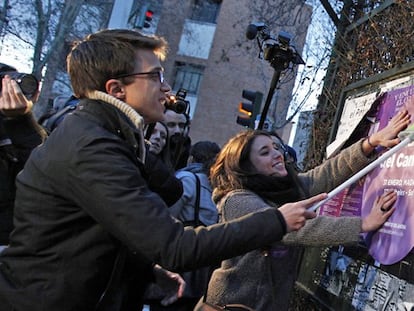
x: 148, y: 15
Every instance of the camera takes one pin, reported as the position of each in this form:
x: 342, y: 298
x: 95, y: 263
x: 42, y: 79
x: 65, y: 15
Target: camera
x: 280, y: 52
x: 284, y: 39
x: 27, y: 82
x: 277, y: 51
x: 177, y: 102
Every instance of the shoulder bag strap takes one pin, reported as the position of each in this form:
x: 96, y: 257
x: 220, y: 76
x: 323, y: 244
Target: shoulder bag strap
x: 197, y: 201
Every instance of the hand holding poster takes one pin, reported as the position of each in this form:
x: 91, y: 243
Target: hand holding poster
x: 395, y: 239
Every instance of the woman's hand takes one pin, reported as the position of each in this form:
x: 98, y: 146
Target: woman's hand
x: 388, y: 136
x: 297, y: 213
x: 381, y: 211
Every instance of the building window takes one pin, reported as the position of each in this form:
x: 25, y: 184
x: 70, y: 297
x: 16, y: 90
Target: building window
x: 205, y: 10
x: 188, y: 77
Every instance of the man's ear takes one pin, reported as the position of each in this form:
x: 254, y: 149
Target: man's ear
x: 115, y: 88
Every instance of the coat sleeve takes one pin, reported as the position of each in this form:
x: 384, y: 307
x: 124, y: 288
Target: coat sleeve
x: 104, y: 180
x: 336, y: 170
x: 326, y: 231
x: 161, y: 180
x: 25, y: 134
x: 187, y: 198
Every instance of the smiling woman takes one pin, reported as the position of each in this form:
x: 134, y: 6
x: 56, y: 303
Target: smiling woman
x: 267, y: 157
x: 251, y: 174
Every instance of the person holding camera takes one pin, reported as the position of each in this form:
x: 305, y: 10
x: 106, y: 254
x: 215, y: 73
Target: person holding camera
x: 88, y: 230
x: 19, y: 134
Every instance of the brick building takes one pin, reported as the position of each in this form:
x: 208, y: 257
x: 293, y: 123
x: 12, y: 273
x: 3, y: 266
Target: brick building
x: 211, y: 57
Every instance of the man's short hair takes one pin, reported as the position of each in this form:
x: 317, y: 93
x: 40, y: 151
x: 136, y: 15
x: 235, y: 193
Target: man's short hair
x: 106, y: 54
x: 204, y: 151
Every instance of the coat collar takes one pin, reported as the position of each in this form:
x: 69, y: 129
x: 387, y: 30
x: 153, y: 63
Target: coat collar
x: 115, y: 121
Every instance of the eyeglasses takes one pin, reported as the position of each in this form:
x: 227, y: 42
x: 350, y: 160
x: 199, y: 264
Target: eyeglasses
x: 158, y: 74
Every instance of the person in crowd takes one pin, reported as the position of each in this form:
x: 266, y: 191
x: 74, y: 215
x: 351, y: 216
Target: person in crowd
x: 250, y: 175
x: 158, y: 138
x: 178, y: 125
x: 202, y: 156
x: 88, y: 230
x: 158, y: 168
x: 62, y: 105
x: 19, y: 134
x: 197, y: 194
x: 160, y: 144
x: 159, y: 171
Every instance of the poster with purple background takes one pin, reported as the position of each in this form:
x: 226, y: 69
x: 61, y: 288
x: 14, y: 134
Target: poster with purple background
x: 395, y: 239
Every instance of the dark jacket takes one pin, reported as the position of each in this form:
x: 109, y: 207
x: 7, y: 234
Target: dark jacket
x: 161, y: 180
x: 80, y: 197
x: 18, y: 136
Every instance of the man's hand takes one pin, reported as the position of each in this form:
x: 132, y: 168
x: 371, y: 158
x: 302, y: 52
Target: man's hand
x: 297, y: 213
x: 13, y: 103
x: 171, y: 283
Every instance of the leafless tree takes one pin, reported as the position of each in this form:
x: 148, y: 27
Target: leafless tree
x: 47, y: 27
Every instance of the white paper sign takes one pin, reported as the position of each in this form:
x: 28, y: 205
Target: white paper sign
x: 353, y: 112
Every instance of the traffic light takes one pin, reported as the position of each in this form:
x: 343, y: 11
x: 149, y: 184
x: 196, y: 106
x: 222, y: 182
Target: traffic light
x: 148, y: 18
x: 144, y: 17
x: 251, y: 109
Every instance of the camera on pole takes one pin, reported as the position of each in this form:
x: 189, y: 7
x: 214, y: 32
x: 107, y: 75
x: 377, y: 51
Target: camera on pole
x: 279, y: 52
x: 250, y: 110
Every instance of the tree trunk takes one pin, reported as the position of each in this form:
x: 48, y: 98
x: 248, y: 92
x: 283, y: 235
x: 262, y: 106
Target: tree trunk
x: 54, y: 55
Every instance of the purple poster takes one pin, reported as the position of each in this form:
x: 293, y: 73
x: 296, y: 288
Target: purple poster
x: 395, y: 239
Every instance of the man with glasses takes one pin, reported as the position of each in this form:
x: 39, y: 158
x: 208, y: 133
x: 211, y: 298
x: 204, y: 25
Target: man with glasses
x: 88, y: 230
